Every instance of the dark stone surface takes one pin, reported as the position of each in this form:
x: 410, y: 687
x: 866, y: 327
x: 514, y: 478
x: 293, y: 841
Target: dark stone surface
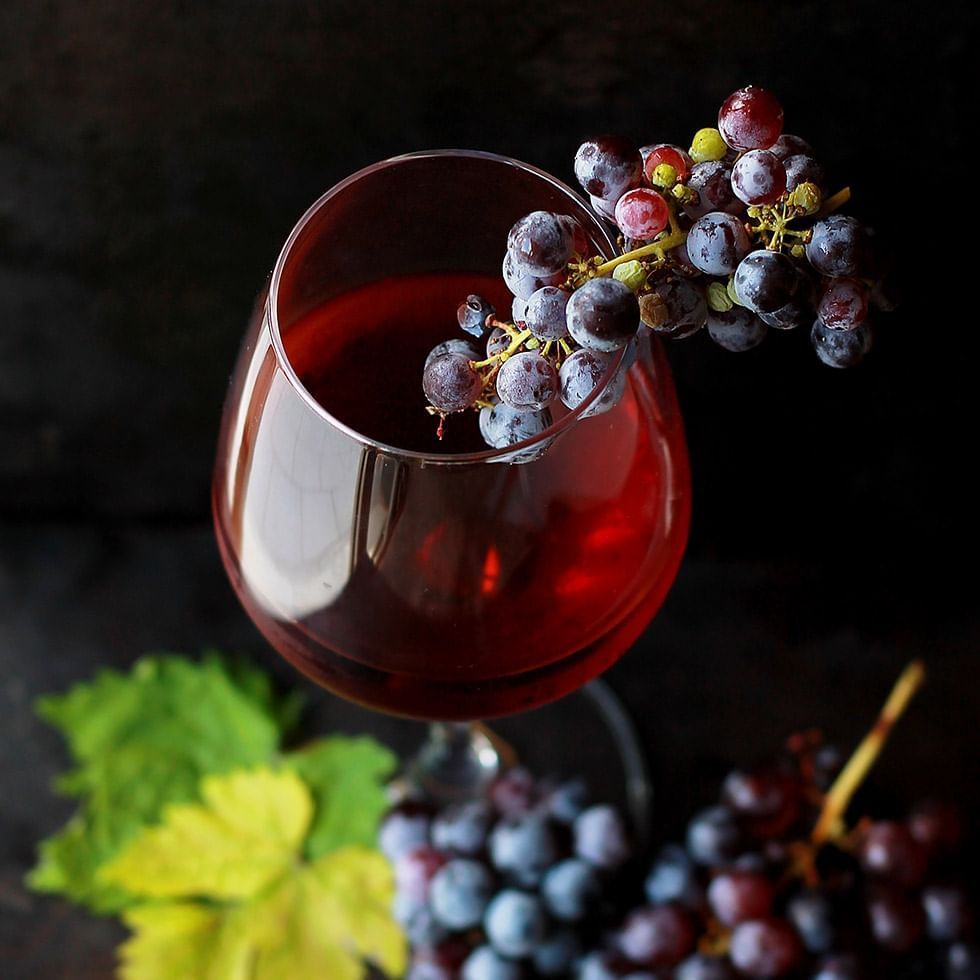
x: 153, y: 157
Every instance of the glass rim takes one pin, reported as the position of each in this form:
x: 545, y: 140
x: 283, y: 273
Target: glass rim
x: 607, y: 246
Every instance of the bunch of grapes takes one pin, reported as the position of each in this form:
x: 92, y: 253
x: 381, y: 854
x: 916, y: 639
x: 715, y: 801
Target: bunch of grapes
x: 736, y: 234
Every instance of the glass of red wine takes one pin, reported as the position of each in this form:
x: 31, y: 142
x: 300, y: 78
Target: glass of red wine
x: 435, y: 579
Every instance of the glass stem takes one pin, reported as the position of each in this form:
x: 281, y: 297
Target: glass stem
x: 457, y: 761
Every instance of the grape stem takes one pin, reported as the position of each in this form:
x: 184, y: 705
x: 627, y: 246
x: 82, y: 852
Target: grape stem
x: 835, y: 201
x: 830, y: 824
x: 657, y: 248
x: 516, y: 340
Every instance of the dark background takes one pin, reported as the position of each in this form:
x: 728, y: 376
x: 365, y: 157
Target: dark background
x: 153, y: 157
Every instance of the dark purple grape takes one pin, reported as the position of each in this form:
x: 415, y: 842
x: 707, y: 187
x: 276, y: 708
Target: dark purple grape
x: 673, y: 878
x: 485, y: 963
x: 518, y: 310
x: 569, y: 889
x: 420, y: 924
x: 841, y: 348
x: 963, y: 962
x: 545, y: 313
x: 567, y: 800
x: 713, y: 182
x: 522, y: 282
x: 579, y: 375
x: 737, y: 896
x: 527, y: 382
x: 681, y: 261
x: 811, y: 915
x: 503, y: 426
x: 404, y: 828
x: 515, y: 923
x: 758, y: 178
x: 737, y: 330
x: 414, y: 870
x: 598, y: 965
x: 765, y: 948
x: 765, y: 281
x: 839, y: 246
x: 541, y: 243
x: 674, y: 308
x: 948, y: 912
x: 788, y: 146
x: 890, y: 852
x: 450, y: 384
x: 513, y: 792
x: 713, y: 836
x: 608, y: 166
x: 896, y: 921
x: 794, y: 314
x: 657, y: 935
x: 605, y: 209
x: 523, y: 848
x: 839, y: 967
x: 844, y: 304
x: 702, y: 967
x: 459, y: 893
x: 600, y: 837
x: 497, y: 342
x: 750, y: 118
x: 767, y: 799
x: 556, y: 954
x: 472, y: 314
x: 602, y: 314
x: 936, y: 825
x: 803, y: 169
x: 455, y: 346
x: 717, y: 243
x: 462, y: 828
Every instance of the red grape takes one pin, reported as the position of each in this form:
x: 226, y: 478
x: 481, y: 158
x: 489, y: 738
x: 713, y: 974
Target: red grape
x: 642, y: 214
x: 750, y: 119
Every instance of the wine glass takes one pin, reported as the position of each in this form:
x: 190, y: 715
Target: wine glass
x: 440, y: 581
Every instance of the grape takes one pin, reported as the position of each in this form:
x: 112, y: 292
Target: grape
x: 673, y: 878
x: 642, y: 214
x: 455, y: 346
x: 844, y: 304
x: 764, y: 948
x: 568, y: 799
x: 554, y: 956
x: 839, y: 246
x: 579, y: 375
x: 758, y: 178
x: 840, y: 348
x: 675, y: 308
x: 788, y: 317
x: 605, y: 209
x: 609, y: 166
x: 545, y: 313
x: 420, y: 924
x: 515, y: 923
x: 439, y: 962
x: 485, y: 963
x: 602, y: 314
x: 767, y: 798
x: 713, y: 182
x: 527, y: 381
x: 522, y: 282
x: 450, y: 384
x: 738, y: 329
x: 701, y: 967
x: 681, y: 259
x: 765, y: 281
x: 888, y: 850
x: 523, y: 848
x: 497, y: 342
x: 802, y: 169
x: 937, y: 826
x: 502, y: 426
x: 600, y: 837
x: 750, y: 119
x: 657, y: 935
x: 713, y: 836
x: 459, y: 893
x: 569, y: 889
x: 716, y: 243
x: 673, y: 156
x: 414, y: 870
x: 948, y: 914
x: 707, y: 144
x: 597, y: 966
x: 518, y: 310
x: 541, y: 243
x: 462, y: 828
x: 513, y: 792
x: 896, y: 921
x: 963, y: 962
x: 737, y: 896
x: 472, y: 314
x: 403, y: 828
x: 838, y: 968
x: 789, y: 146
x: 810, y: 914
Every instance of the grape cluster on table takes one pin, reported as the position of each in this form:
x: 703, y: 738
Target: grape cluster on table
x: 530, y: 881
x: 737, y: 235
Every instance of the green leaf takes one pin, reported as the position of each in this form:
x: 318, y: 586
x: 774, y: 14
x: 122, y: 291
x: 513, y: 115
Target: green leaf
x: 142, y: 740
x: 346, y: 776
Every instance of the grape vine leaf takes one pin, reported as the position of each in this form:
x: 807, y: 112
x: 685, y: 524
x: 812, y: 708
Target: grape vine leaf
x: 232, y: 898
x: 141, y: 740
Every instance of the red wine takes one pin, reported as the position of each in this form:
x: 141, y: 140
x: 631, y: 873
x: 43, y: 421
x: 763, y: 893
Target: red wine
x: 461, y: 591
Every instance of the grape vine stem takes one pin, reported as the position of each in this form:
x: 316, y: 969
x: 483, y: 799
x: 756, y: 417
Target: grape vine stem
x: 830, y: 822
x: 657, y: 248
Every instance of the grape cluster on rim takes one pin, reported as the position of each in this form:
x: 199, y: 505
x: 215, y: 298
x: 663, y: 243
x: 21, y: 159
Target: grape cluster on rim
x: 530, y: 881
x: 737, y: 234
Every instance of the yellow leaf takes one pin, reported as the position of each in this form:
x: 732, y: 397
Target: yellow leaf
x: 318, y: 922
x: 244, y: 835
